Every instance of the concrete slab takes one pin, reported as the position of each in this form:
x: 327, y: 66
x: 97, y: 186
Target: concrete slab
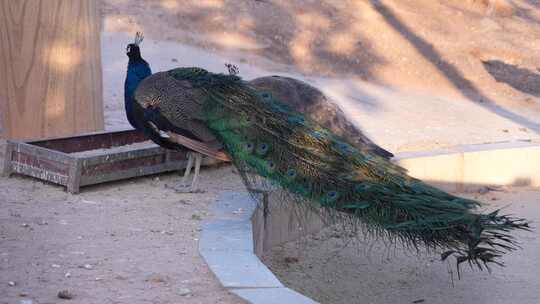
x: 234, y: 205
x: 240, y: 269
x: 226, y: 235
x: 272, y: 296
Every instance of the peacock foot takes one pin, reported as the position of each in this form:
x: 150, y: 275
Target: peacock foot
x: 186, y: 188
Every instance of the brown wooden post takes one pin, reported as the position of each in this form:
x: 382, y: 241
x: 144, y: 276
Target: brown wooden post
x: 50, y: 68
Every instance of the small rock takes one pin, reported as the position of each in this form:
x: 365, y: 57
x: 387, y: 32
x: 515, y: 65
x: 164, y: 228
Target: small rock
x: 156, y: 278
x: 196, y: 217
x: 174, y: 60
x: 419, y: 301
x: 67, y: 275
x: 291, y: 260
x: 483, y: 190
x: 11, y: 283
x: 23, y: 294
x: 184, y: 202
x: 505, y: 130
x: 87, y: 266
x: 25, y: 225
x: 238, y: 211
x: 65, y: 294
x: 55, y: 266
x: 184, y: 292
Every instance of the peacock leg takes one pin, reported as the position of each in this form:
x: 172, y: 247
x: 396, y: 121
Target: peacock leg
x: 180, y: 187
x: 183, y: 186
x: 198, y: 160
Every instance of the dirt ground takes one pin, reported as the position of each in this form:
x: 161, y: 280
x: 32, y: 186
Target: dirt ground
x: 426, y: 73
x: 488, y: 53
x: 138, y: 240
x: 337, y: 270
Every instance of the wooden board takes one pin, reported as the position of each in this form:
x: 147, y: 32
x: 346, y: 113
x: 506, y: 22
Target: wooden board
x: 50, y: 63
x: 60, y: 161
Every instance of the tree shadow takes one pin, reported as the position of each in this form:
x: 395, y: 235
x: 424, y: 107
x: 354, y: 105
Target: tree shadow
x: 521, y: 79
x: 308, y: 36
x: 458, y: 80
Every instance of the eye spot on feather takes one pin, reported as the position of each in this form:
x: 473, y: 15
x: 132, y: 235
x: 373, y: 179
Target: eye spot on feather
x: 262, y: 148
x: 360, y: 187
x: 291, y: 173
x: 270, y: 166
x: 332, y: 196
x: 248, y: 147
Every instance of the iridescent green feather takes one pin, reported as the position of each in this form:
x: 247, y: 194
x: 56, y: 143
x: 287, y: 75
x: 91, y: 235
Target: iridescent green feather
x: 265, y: 138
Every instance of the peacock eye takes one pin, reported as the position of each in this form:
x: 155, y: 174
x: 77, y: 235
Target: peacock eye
x: 291, y: 173
x: 270, y: 166
x: 332, y: 195
x: 248, y: 147
x: 262, y: 149
x: 360, y: 187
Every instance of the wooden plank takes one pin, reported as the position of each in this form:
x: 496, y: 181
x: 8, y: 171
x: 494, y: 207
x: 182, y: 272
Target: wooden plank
x: 91, y: 141
x: 50, y: 58
x: 39, y: 173
x: 6, y: 169
x: 74, y: 177
x: 42, y: 153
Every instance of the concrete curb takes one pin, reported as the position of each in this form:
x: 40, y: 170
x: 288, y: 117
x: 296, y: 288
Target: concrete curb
x: 227, y: 246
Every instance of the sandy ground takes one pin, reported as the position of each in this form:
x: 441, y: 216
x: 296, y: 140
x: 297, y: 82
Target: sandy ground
x: 138, y: 238
x: 414, y: 74
x: 333, y: 269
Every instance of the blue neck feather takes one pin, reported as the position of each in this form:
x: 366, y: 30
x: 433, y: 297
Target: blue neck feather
x: 137, y: 70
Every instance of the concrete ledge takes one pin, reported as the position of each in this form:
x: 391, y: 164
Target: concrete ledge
x: 241, y: 230
x: 469, y: 167
x: 228, y: 248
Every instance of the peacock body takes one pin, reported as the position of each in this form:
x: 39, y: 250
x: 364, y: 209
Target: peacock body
x: 313, y: 104
x: 266, y: 139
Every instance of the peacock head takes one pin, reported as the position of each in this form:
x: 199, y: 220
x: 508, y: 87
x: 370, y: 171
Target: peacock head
x: 132, y: 50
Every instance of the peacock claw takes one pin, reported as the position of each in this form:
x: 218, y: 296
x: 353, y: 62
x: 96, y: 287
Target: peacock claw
x: 188, y: 189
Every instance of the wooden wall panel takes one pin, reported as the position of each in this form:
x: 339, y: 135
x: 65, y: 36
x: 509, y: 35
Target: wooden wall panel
x: 50, y: 68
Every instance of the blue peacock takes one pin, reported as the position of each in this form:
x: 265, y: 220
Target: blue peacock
x: 298, y: 95
x: 276, y: 147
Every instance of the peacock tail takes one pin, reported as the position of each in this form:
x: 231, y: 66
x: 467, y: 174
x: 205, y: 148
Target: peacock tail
x: 268, y: 141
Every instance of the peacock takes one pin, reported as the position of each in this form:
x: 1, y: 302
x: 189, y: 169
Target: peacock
x: 298, y: 95
x: 275, y: 147
x: 138, y: 69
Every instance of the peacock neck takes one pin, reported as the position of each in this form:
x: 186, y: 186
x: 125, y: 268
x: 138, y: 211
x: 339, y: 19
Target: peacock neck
x: 137, y: 70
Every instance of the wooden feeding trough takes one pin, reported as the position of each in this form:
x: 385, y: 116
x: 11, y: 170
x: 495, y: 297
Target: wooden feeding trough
x: 92, y: 158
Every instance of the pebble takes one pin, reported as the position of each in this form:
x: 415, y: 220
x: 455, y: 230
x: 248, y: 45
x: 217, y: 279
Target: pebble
x: 184, y: 292
x: 23, y: 294
x: 24, y: 225
x: 12, y: 283
x: 55, y: 266
x: 65, y: 294
x: 67, y: 275
x: 88, y: 266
